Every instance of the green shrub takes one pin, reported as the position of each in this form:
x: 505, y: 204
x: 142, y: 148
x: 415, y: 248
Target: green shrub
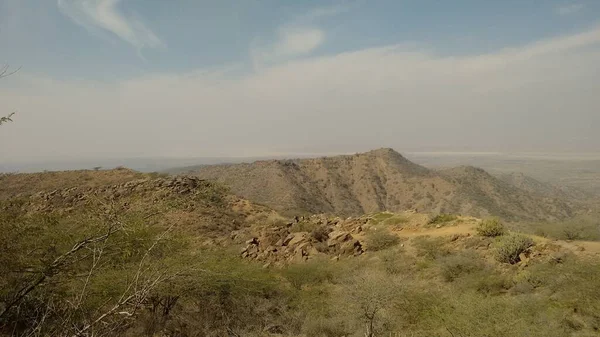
x: 442, y: 218
x: 395, y: 220
x: 454, y: 266
x: 394, y: 262
x: 430, y: 248
x: 381, y: 239
x: 491, y: 228
x: 308, y: 273
x: 304, y: 226
x: 487, y: 281
x: 509, y: 247
x: 379, y: 217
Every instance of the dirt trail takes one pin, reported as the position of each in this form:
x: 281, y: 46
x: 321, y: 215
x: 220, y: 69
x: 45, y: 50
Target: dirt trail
x: 577, y: 246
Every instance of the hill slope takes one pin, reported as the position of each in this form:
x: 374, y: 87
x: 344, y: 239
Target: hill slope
x: 379, y: 180
x: 195, y: 206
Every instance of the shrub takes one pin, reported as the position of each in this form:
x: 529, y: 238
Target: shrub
x: 320, y: 233
x: 381, y: 239
x: 304, y: 226
x: 431, y: 248
x: 394, y: 262
x: 510, y: 246
x: 442, y: 218
x: 455, y: 266
x: 379, y: 217
x: 491, y: 228
x: 309, y: 273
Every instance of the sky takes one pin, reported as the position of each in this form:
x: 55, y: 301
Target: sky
x: 194, y: 78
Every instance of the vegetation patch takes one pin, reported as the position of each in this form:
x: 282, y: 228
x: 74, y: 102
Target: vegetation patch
x: 455, y: 266
x: 509, y: 247
x: 430, y: 248
x: 580, y: 228
x: 389, y: 219
x: 442, y: 218
x: 491, y: 228
x: 379, y: 239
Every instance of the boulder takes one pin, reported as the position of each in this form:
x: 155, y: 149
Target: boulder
x: 296, y: 238
x: 349, y: 247
x: 337, y: 237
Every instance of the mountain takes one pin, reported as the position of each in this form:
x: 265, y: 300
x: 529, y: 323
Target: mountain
x: 379, y: 180
x: 535, y: 186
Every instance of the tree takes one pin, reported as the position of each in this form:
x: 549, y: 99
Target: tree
x: 371, y: 295
x: 58, y: 276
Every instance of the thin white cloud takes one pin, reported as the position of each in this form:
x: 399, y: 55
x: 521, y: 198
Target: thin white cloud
x: 299, y: 41
x: 539, y: 96
x: 105, y: 15
x: 568, y: 9
x: 292, y: 42
x: 300, y: 36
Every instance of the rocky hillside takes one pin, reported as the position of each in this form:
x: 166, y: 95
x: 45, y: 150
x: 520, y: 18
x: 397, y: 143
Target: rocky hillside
x: 193, y: 205
x: 379, y: 180
x: 23, y: 184
x: 532, y: 185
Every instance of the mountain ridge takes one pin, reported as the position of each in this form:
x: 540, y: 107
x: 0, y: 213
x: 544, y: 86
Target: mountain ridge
x: 379, y: 180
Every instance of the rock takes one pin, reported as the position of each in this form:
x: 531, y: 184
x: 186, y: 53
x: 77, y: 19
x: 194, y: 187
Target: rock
x: 357, y: 230
x: 349, y: 246
x: 301, y: 247
x: 253, y: 241
x: 296, y: 238
x: 337, y: 237
x: 523, y: 258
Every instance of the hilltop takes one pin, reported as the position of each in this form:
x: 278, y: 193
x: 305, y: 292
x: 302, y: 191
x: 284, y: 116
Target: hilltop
x: 376, y: 181
x: 195, y: 206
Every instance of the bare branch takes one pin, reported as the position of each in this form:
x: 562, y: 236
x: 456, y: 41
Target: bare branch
x: 5, y: 72
x: 6, y: 119
x: 54, y: 267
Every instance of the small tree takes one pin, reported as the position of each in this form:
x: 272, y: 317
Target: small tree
x: 371, y: 295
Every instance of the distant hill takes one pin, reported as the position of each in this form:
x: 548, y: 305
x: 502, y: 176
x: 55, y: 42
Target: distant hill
x: 23, y: 184
x: 195, y: 206
x: 379, y: 180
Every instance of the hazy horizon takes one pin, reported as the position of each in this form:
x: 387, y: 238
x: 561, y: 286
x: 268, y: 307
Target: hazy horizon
x: 106, y: 79
x: 150, y: 164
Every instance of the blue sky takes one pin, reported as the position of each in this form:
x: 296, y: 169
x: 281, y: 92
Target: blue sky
x: 45, y: 37
x: 493, y: 66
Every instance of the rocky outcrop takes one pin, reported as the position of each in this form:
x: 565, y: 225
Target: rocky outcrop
x: 282, y: 244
